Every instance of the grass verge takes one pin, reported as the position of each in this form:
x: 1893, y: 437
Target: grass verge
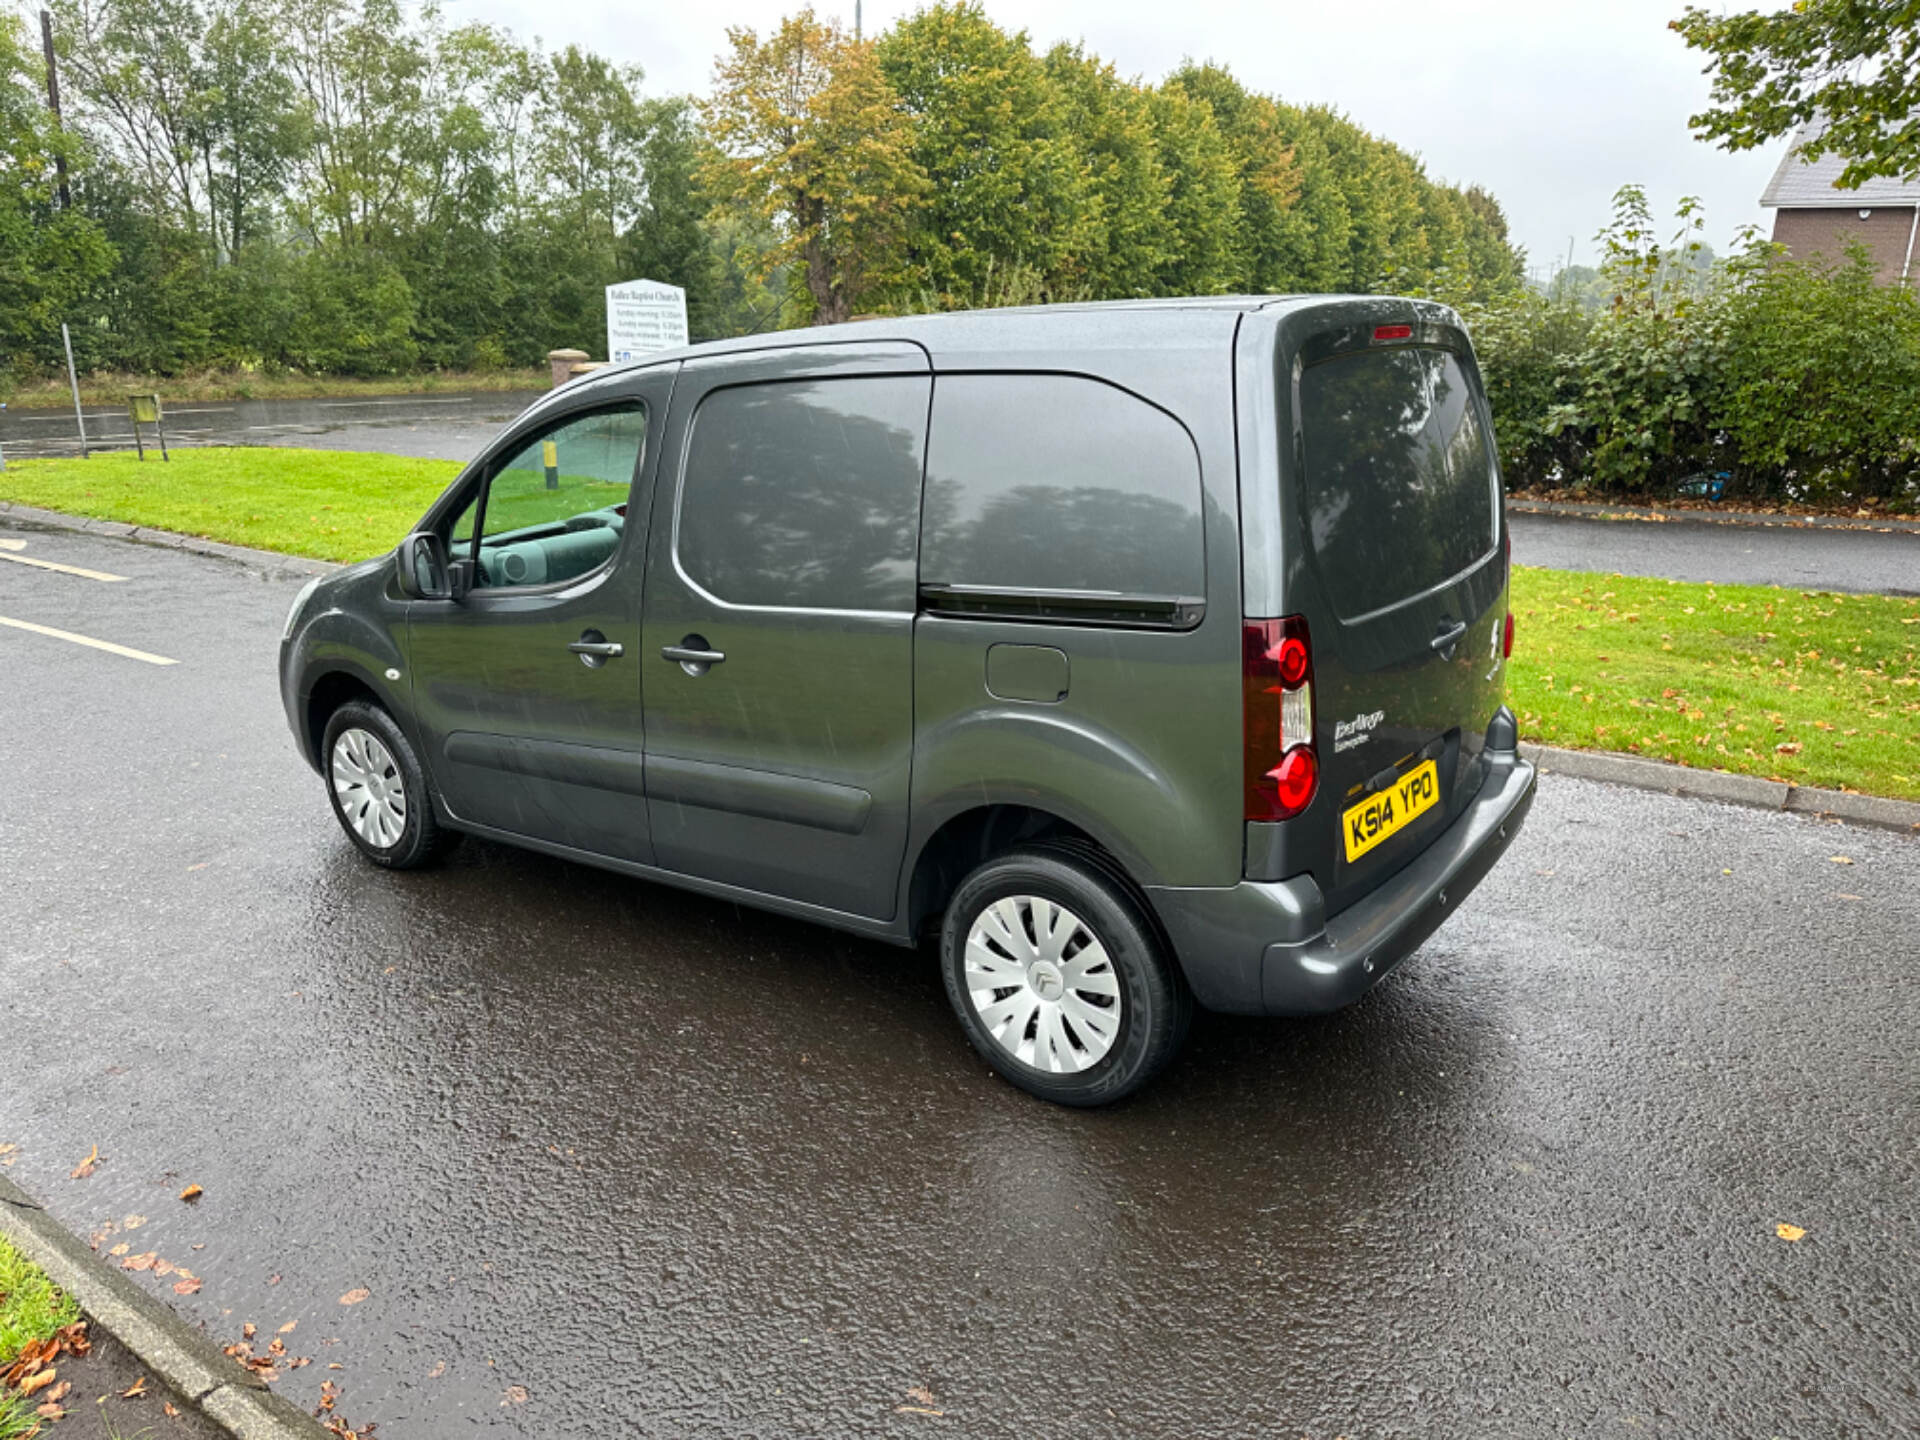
x: 1803, y: 686
x: 1810, y: 688
x: 31, y: 1311
x: 113, y: 388
x: 326, y: 504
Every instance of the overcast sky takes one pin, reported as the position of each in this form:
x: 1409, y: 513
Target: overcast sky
x: 1551, y: 106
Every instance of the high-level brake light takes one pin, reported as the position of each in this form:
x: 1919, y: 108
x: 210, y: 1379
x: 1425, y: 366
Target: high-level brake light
x: 1392, y: 332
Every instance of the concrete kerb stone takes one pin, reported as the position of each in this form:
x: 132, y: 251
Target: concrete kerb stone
x: 187, y: 1361
x: 271, y: 561
x: 1902, y: 816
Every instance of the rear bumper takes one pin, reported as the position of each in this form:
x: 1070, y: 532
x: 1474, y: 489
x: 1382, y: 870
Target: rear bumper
x: 1260, y: 948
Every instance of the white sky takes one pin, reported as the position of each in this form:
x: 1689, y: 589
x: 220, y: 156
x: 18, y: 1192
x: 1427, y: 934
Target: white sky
x: 1550, y: 104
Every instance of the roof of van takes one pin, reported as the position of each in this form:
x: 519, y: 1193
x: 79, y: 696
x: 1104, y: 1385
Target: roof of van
x: 1024, y: 330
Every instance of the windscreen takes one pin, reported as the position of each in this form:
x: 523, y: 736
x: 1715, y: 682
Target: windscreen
x: 1400, y: 484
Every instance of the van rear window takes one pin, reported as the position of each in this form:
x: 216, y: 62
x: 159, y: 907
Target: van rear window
x: 1401, y: 489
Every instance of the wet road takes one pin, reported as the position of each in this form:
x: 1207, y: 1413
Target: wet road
x: 667, y: 1168
x: 1866, y: 561
x: 435, y: 427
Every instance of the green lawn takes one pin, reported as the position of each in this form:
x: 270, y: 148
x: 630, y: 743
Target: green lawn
x: 31, y: 1310
x: 329, y: 504
x: 1809, y: 687
x: 1817, y: 689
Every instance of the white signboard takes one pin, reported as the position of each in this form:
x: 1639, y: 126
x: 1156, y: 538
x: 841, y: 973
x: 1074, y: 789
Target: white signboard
x: 644, y: 316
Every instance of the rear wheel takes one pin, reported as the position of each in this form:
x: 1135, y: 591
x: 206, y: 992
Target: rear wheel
x: 1058, y: 978
x: 379, y: 790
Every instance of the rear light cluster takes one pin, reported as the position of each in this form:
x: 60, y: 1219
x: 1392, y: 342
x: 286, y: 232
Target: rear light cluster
x: 1282, y: 766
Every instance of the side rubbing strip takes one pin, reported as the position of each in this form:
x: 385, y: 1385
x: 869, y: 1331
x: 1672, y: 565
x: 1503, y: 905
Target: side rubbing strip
x: 590, y: 765
x: 762, y: 794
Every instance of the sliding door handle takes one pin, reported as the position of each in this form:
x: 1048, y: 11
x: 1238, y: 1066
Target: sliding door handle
x: 693, y: 655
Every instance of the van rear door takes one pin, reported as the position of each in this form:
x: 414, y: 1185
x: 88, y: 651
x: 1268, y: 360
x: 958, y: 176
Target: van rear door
x: 1398, y: 501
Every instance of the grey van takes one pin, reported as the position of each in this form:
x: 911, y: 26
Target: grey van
x: 1137, y: 655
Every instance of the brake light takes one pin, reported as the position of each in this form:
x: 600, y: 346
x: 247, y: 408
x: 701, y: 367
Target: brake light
x: 1392, y: 332
x: 1506, y: 644
x: 1282, y: 767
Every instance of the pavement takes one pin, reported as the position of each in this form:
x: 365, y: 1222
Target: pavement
x: 1879, y: 562
x: 610, y: 1158
x: 434, y: 427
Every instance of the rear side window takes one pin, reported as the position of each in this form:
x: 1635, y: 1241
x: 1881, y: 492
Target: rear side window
x: 1056, y: 482
x: 1401, y: 488
x: 806, y: 494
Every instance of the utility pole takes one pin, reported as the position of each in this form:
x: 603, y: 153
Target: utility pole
x: 856, y: 21
x: 53, y: 104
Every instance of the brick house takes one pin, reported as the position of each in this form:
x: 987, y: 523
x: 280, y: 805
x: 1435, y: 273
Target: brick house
x: 1811, y: 217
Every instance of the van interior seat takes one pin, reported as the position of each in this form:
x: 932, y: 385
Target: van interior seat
x: 549, y: 559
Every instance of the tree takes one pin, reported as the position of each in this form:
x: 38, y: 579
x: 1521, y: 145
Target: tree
x: 49, y: 255
x: 1848, y: 68
x: 812, y: 142
x: 1009, y: 186
x: 1130, y: 238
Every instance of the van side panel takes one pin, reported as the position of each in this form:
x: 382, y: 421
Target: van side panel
x: 1143, y: 750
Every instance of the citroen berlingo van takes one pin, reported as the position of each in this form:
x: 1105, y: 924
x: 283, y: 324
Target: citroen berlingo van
x: 1132, y: 656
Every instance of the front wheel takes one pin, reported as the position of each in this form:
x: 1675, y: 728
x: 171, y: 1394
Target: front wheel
x: 1059, y: 980
x: 379, y: 790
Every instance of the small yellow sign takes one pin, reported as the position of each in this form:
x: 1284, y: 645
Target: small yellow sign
x: 549, y: 454
x: 144, y: 409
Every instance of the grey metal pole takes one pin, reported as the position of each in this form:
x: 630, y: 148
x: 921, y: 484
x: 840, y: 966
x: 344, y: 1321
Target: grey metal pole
x: 3, y: 450
x: 73, y: 379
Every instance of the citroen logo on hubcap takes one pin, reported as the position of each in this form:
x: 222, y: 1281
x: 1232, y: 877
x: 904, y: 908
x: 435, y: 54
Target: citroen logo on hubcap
x: 1046, y: 981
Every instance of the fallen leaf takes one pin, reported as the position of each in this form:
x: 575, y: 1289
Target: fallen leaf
x: 60, y: 1392
x: 516, y: 1395
x: 34, y: 1384
x: 120, y: 1249
x: 85, y: 1167
x: 354, y: 1297
x: 50, y: 1411
x: 135, y: 1390
x: 166, y: 1408
x: 1842, y: 860
x: 142, y: 1261
x: 133, y: 1222
x: 247, y: 1332
x: 288, y: 1328
x: 1789, y: 1233
x: 920, y: 1395
x: 439, y: 1369
x: 187, y: 1287
x: 1787, y: 747
x: 191, y: 1193
x: 163, y: 1267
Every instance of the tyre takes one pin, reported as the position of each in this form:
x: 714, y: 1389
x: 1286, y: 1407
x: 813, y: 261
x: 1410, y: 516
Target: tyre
x: 1058, y: 977
x: 379, y: 790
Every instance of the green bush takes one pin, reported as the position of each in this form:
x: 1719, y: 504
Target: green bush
x: 1799, y: 379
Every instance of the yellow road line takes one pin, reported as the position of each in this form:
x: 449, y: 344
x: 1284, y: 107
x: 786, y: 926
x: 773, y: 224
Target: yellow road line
x: 88, y: 640
x: 13, y: 544
x: 83, y: 573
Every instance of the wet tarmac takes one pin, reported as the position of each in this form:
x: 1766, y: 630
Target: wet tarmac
x: 435, y: 427
x: 1863, y: 561
x: 613, y: 1160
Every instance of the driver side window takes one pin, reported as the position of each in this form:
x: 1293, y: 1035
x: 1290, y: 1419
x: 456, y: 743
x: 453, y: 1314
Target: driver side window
x: 555, y: 509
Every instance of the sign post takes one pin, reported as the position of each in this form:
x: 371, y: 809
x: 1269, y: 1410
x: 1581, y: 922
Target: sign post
x: 644, y: 316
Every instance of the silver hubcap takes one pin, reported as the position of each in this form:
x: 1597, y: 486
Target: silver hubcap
x: 1042, y: 984
x: 368, y: 786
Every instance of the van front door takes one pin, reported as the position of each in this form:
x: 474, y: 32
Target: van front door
x: 778, y: 626
x: 527, y: 690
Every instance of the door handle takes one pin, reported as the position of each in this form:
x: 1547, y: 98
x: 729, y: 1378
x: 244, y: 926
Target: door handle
x: 693, y: 655
x: 594, y: 649
x: 1449, y: 636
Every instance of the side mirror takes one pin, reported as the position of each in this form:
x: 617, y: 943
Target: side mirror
x: 420, y: 565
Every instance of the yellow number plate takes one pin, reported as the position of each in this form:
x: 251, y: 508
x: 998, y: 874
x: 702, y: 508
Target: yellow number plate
x: 1391, y: 810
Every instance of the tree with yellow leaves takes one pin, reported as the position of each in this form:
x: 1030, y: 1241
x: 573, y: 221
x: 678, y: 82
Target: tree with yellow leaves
x: 810, y: 138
